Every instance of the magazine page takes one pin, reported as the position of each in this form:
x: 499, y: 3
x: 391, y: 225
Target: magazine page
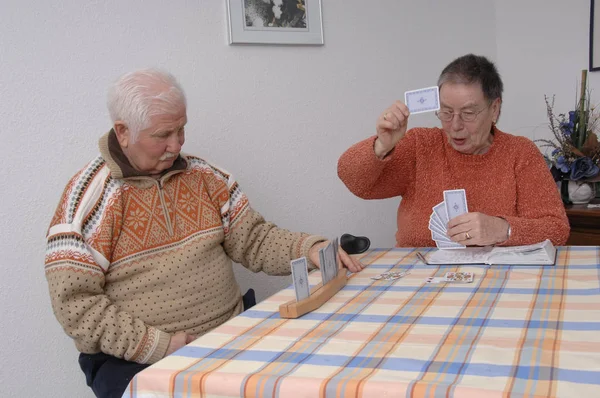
x: 542, y: 253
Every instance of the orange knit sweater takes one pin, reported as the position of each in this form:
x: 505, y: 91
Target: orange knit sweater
x: 510, y: 181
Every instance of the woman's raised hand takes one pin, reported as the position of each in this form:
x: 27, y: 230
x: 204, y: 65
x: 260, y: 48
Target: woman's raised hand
x: 391, y: 127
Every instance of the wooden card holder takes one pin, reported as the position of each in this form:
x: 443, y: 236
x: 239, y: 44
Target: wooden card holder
x: 318, y: 296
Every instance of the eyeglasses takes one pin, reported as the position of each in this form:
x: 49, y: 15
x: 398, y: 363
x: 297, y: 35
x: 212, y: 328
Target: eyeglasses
x: 465, y: 116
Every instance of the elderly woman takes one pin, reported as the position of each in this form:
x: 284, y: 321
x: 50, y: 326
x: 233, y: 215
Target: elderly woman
x: 511, y: 195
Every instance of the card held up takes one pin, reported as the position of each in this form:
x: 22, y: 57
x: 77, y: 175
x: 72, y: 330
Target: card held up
x: 423, y: 100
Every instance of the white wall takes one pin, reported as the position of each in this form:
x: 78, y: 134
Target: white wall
x: 542, y: 46
x: 276, y: 117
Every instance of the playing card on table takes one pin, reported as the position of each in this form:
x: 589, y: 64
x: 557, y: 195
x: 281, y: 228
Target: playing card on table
x: 423, y: 100
x: 462, y: 277
x: 458, y: 277
x: 390, y: 276
x: 455, y: 202
x: 300, y: 278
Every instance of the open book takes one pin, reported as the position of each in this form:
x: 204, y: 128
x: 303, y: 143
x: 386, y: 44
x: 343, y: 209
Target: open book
x: 543, y: 253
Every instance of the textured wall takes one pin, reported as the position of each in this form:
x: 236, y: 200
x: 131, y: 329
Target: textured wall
x: 276, y: 117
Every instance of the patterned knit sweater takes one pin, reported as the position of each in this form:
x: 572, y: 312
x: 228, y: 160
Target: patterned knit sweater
x: 131, y: 259
x: 510, y: 181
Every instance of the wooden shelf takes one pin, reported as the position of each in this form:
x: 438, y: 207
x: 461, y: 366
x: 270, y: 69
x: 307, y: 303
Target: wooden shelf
x: 585, y: 224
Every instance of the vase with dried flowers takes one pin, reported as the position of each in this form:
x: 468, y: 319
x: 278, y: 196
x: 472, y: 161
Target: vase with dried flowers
x: 575, y: 150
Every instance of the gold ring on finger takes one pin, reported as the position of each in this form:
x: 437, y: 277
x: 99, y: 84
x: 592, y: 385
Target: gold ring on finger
x: 467, y: 236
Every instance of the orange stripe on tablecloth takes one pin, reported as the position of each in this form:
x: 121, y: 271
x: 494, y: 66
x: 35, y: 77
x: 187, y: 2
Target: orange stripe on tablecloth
x: 364, y: 298
x: 546, y: 340
x: 521, y: 341
x: 257, y: 380
x: 197, y: 376
x: 447, y: 302
x: 198, y: 386
x: 548, y: 386
x: 352, y: 385
x: 260, y: 337
x: 322, y: 331
x: 449, y: 347
x: 404, y: 331
x: 552, y: 385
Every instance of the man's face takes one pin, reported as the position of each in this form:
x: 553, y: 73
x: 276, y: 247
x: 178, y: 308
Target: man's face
x: 157, y: 146
x: 471, y: 137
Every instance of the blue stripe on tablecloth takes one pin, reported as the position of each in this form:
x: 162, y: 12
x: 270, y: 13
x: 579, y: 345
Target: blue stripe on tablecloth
x: 532, y: 350
x: 355, y: 306
x: 479, y: 305
x: 441, y: 321
x: 400, y: 364
x: 468, y: 288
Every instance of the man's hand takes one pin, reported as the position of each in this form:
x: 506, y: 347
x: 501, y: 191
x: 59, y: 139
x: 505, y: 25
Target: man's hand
x: 178, y: 340
x: 343, y: 258
x: 477, y: 229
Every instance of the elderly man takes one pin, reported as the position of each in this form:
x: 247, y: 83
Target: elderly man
x: 140, y: 249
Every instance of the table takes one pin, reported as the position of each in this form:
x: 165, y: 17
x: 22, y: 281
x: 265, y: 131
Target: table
x: 515, y: 331
x: 585, y: 224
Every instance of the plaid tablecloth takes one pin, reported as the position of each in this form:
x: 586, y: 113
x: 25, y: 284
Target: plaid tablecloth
x: 518, y: 331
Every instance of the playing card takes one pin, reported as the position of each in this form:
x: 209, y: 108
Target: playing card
x: 324, y: 275
x: 462, y: 277
x: 331, y: 259
x: 336, y: 248
x: 433, y: 228
x: 440, y: 212
x: 435, y: 220
x: 455, y: 203
x: 390, y: 276
x: 422, y: 100
x: 327, y: 256
x: 300, y: 278
x: 458, y: 277
x: 441, y: 237
x: 448, y: 245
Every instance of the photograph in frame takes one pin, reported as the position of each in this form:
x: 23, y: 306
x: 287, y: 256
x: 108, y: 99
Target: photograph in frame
x: 275, y: 22
x: 594, y: 37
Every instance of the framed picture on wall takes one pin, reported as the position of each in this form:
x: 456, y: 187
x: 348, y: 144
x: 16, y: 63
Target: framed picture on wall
x: 275, y: 22
x: 594, y: 37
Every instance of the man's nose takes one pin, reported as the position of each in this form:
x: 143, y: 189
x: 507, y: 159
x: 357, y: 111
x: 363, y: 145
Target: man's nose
x: 175, y: 143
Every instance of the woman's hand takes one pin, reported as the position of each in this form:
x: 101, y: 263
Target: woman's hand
x: 391, y: 127
x: 477, y: 229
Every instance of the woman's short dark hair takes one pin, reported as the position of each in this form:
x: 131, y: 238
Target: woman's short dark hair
x: 470, y: 69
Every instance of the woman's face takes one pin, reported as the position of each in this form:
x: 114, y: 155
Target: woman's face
x: 467, y: 101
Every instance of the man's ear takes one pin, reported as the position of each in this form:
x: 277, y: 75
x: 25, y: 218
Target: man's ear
x: 122, y: 132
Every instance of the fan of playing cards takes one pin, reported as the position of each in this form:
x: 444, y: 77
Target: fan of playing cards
x: 454, y: 204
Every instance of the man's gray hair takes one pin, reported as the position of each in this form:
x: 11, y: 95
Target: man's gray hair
x: 137, y: 96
